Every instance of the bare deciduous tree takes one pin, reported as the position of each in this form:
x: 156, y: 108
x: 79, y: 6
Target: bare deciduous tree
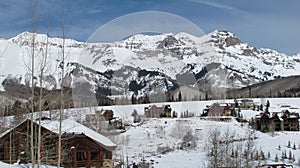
x: 249, y: 147
x: 42, y: 69
x: 34, y: 20
x: 228, y: 139
x: 180, y: 128
x: 214, y: 148
x: 224, y: 150
x: 62, y: 65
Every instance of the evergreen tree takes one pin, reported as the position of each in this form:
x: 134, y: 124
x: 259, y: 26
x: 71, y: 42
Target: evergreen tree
x: 285, y: 155
x: 133, y: 99
x: 236, y: 104
x: 268, y: 104
x: 276, y: 158
x: 206, y: 96
x: 261, y: 107
x: 134, y: 115
x: 146, y: 100
x: 282, y: 156
x: 294, y: 146
x: 262, y: 155
x: 256, y: 155
x: 290, y: 155
x: 179, y: 96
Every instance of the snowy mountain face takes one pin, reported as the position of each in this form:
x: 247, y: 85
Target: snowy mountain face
x: 144, y: 64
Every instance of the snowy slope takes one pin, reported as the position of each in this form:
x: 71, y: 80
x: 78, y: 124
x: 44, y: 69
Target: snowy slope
x: 215, y: 60
x: 16, y: 56
x: 146, y: 140
x: 143, y: 141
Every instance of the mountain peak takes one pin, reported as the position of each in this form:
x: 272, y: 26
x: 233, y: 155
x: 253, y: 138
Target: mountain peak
x: 222, y: 33
x: 142, y: 36
x: 25, y: 38
x: 224, y: 38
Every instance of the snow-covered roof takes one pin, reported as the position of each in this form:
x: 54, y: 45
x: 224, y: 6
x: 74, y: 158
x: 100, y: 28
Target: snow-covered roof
x: 258, y: 116
x: 224, y: 104
x: 245, y: 100
x: 70, y: 126
x: 293, y: 116
x: 10, y: 129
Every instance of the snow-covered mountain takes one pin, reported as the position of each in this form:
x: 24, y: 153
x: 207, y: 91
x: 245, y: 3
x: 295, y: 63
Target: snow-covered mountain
x: 144, y: 64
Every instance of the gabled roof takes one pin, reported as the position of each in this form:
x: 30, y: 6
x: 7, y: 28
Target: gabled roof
x: 71, y: 127
x: 263, y: 115
x: 10, y: 129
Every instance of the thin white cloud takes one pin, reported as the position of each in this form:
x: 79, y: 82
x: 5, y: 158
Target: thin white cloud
x: 215, y: 4
x: 94, y: 11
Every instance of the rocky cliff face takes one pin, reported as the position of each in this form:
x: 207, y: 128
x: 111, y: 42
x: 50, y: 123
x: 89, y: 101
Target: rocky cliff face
x: 146, y: 65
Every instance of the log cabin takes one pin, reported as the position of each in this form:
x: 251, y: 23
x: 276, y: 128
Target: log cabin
x: 81, y: 146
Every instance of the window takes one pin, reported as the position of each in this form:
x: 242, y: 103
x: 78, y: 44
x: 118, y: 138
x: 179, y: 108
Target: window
x: 105, y: 155
x: 81, y: 156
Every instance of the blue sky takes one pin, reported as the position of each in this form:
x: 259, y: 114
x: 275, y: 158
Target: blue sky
x: 271, y: 24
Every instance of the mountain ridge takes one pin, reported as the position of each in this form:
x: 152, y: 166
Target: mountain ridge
x: 216, y: 60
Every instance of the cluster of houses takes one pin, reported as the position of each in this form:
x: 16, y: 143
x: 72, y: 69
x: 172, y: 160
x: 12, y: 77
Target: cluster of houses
x: 277, y: 121
x: 228, y: 109
x: 84, y: 146
x: 154, y: 111
x: 265, y: 121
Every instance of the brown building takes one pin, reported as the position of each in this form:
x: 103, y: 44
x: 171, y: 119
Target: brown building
x: 81, y: 146
x: 290, y: 121
x: 154, y: 112
x: 218, y: 109
x: 107, y: 114
x: 287, y: 121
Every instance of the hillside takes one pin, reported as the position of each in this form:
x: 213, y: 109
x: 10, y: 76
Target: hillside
x: 159, y: 142
x: 282, y: 87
